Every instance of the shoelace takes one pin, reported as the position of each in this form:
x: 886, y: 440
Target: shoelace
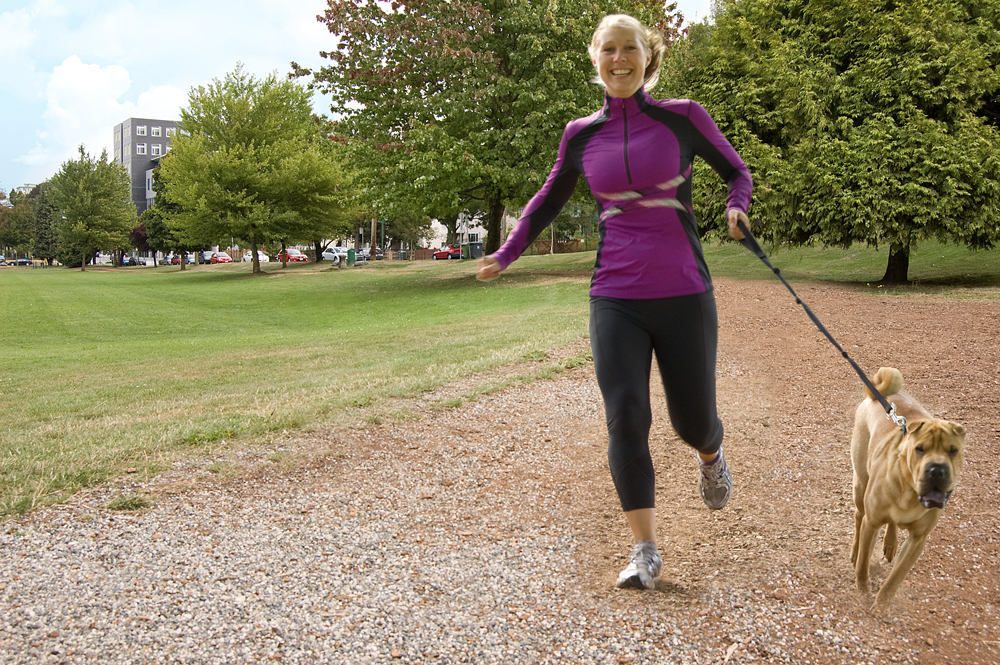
x: 714, y: 472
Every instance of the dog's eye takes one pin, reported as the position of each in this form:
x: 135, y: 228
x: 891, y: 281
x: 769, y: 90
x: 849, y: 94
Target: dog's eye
x: 952, y: 452
x: 920, y: 450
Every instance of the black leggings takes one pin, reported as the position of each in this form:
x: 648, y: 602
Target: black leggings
x: 683, y: 332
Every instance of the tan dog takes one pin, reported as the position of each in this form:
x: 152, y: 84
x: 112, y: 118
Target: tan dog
x: 900, y: 480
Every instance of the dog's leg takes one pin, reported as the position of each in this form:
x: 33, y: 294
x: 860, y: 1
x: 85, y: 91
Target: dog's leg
x: 859, y: 516
x: 890, y: 543
x: 866, y: 546
x: 908, y: 556
x: 859, y: 464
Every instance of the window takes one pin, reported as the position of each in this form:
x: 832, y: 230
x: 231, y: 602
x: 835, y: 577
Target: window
x: 140, y: 148
x: 140, y: 130
x: 156, y: 131
x: 155, y: 149
x: 128, y: 131
x: 171, y: 131
x: 167, y: 149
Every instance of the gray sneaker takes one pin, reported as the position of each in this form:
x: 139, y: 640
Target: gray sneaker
x: 643, y: 568
x: 715, y: 482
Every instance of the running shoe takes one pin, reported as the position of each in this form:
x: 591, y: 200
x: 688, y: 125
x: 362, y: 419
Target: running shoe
x: 643, y: 568
x: 715, y: 483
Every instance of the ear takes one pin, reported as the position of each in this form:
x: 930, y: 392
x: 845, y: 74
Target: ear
x: 956, y: 429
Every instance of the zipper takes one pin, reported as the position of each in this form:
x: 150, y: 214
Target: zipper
x: 628, y: 172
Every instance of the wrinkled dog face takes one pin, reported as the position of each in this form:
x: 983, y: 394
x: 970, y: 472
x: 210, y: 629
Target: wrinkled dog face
x: 934, y: 454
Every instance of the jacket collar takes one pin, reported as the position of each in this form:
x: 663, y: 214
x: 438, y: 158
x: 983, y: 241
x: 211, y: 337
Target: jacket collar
x: 614, y: 106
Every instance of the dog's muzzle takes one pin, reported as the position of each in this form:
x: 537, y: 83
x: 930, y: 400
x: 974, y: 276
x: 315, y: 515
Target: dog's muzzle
x: 935, y: 499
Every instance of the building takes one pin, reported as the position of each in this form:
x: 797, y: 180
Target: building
x: 139, y: 143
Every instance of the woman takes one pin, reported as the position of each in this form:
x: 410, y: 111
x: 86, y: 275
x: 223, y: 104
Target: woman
x: 651, y: 291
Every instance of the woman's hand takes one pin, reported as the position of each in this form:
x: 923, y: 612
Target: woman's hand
x: 489, y: 268
x: 734, y: 217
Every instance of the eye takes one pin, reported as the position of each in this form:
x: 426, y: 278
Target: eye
x: 952, y: 452
x: 920, y: 450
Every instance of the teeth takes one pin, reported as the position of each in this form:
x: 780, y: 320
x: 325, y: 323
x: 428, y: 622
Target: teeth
x: 621, y: 72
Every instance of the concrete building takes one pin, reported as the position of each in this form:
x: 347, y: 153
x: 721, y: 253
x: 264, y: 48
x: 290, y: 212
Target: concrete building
x: 139, y: 143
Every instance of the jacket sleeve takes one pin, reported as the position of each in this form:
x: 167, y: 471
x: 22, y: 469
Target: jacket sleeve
x: 715, y: 149
x: 543, y: 207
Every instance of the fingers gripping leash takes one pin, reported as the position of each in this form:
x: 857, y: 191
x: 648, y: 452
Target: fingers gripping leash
x: 751, y: 244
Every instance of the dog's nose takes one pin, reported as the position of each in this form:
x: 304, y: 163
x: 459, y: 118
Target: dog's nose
x: 936, y: 472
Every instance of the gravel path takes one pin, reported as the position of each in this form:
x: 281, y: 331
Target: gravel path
x: 483, y: 534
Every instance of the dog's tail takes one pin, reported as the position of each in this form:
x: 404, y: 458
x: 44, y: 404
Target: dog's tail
x: 888, y: 381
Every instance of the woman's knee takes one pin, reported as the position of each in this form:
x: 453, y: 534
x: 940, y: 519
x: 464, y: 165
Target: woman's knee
x: 704, y: 436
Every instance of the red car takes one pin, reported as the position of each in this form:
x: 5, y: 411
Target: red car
x: 221, y: 257
x: 291, y: 254
x: 449, y: 252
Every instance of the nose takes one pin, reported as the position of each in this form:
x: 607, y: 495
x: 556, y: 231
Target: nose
x: 936, y: 472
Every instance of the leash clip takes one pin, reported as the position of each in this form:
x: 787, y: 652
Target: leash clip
x: 897, y: 420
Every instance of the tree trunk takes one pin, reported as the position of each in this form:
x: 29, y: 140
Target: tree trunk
x: 899, y: 264
x: 83, y: 263
x: 493, y: 218
x: 451, y: 229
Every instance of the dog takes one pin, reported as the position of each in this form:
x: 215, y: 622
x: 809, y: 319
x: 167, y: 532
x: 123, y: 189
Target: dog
x: 901, y: 479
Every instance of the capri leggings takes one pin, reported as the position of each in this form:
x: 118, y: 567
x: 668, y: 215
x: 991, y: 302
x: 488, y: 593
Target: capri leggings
x: 683, y: 331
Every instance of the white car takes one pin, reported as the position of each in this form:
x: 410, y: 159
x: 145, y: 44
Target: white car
x: 334, y: 253
x: 261, y: 257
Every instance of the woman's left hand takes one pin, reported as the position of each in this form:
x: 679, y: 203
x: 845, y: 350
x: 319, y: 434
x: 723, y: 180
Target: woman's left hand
x: 734, y: 217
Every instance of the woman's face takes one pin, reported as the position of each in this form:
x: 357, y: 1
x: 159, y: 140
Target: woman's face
x: 621, y: 60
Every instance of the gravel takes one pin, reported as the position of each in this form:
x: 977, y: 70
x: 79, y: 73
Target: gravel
x: 487, y: 533
x: 382, y: 545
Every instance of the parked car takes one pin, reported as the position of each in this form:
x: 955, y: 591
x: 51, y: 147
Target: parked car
x: 261, y: 257
x: 366, y: 254
x: 448, y: 252
x: 176, y: 259
x: 334, y: 253
x: 221, y: 257
x: 291, y: 254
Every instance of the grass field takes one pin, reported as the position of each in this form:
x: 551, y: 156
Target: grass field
x: 108, y: 370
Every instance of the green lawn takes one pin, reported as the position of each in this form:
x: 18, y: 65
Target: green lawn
x: 106, y: 370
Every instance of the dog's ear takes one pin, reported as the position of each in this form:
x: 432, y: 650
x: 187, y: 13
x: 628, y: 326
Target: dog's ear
x: 955, y: 429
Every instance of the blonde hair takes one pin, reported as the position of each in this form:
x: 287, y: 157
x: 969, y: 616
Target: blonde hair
x: 651, y: 40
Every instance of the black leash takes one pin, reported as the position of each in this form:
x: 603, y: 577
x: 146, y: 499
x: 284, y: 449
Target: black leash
x: 750, y: 243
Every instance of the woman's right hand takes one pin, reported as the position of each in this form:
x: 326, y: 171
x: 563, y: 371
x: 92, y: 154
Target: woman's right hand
x: 489, y: 268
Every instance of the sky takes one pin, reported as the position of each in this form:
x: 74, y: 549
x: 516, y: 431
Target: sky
x: 73, y: 69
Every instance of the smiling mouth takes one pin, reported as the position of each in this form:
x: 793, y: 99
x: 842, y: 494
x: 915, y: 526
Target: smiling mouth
x: 621, y: 72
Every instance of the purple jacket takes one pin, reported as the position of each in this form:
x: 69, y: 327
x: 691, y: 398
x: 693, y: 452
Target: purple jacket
x: 636, y: 155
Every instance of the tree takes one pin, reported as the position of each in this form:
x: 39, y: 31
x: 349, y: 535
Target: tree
x: 140, y: 241
x: 17, y: 224
x: 159, y: 235
x: 251, y: 164
x: 861, y: 120
x: 93, y: 199
x: 445, y: 101
x: 46, y: 241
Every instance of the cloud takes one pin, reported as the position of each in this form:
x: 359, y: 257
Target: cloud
x: 83, y: 104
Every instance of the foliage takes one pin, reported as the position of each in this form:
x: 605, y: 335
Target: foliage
x: 17, y: 224
x: 46, y: 243
x: 93, y: 200
x: 859, y: 119
x: 251, y: 164
x: 448, y: 101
